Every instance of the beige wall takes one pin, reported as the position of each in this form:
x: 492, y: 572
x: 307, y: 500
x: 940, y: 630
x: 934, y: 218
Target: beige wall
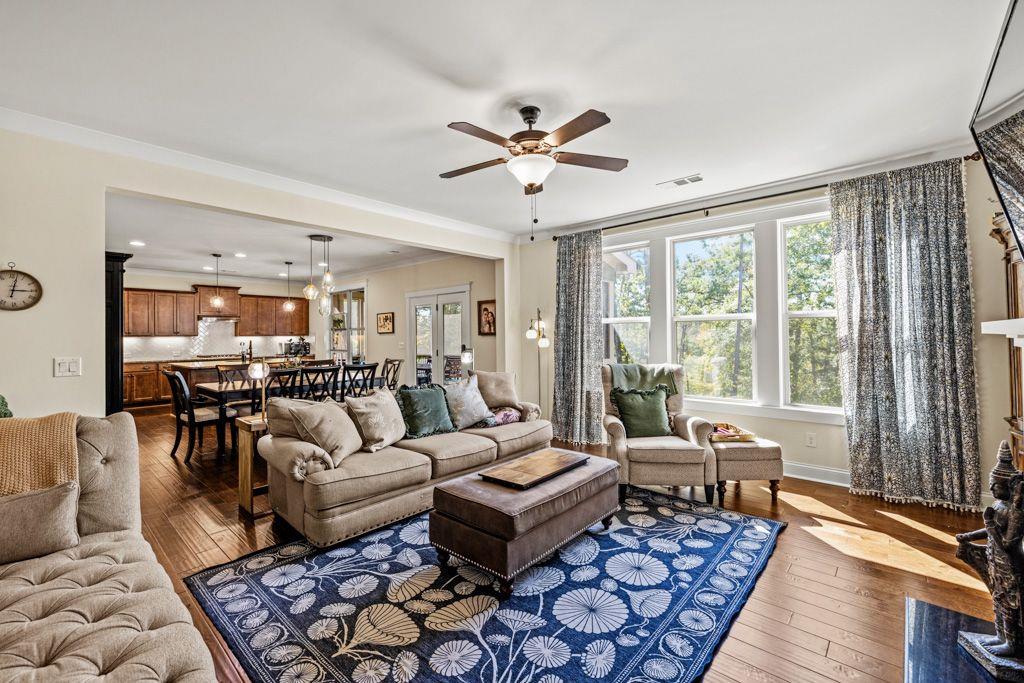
x: 154, y: 279
x: 831, y: 456
x: 386, y: 292
x: 52, y: 223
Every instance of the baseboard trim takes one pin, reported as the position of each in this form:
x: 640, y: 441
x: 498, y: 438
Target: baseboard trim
x: 818, y: 473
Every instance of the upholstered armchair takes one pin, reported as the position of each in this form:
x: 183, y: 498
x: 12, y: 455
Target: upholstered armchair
x: 684, y: 458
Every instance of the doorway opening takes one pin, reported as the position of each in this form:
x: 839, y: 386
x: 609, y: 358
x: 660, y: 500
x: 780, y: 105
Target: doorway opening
x: 439, y: 329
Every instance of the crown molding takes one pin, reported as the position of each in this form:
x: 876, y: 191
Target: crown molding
x: 39, y: 126
x: 792, y: 185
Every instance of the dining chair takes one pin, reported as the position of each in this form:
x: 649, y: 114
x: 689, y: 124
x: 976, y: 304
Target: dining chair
x: 239, y: 372
x: 195, y: 413
x: 282, y: 382
x: 315, y: 363
x: 319, y: 381
x: 391, y: 372
x: 357, y: 379
x: 452, y: 368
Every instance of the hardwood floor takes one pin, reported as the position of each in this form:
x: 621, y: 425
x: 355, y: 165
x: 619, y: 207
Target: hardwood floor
x: 829, y: 606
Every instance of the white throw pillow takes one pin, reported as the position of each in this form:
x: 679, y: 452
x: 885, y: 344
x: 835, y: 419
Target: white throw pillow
x: 466, y: 404
x: 379, y: 419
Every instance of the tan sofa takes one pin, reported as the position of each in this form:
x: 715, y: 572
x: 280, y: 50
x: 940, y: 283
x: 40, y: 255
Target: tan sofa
x: 105, y: 608
x: 683, y: 458
x: 329, y: 503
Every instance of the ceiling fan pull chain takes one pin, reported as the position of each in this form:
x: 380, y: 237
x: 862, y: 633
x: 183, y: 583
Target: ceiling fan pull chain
x: 533, y: 214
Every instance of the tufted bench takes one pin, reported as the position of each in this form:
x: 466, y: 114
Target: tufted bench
x: 105, y: 608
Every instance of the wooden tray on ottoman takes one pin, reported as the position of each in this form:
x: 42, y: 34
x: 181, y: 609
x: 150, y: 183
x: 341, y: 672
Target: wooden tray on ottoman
x: 528, y: 471
x: 506, y: 530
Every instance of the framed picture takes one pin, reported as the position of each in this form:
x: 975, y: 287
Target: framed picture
x: 386, y: 323
x: 486, y: 318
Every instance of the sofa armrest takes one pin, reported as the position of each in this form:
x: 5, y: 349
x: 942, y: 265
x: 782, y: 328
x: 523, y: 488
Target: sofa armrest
x: 617, y: 445
x: 294, y: 457
x: 530, y: 411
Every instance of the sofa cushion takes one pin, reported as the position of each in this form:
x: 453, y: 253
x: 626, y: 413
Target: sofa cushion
x: 497, y: 388
x: 758, y: 449
x: 466, y: 403
x: 279, y: 416
x: 38, y: 522
x: 664, y: 449
x: 424, y: 411
x: 103, y: 609
x: 363, y: 475
x: 328, y: 426
x: 108, y: 474
x: 378, y: 417
x: 516, y: 437
x: 509, y: 513
x: 454, y: 452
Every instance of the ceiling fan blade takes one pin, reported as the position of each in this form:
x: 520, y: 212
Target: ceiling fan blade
x: 478, y: 132
x: 474, y: 167
x: 591, y: 161
x: 533, y: 190
x: 584, y: 123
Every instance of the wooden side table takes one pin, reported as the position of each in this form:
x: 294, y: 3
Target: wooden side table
x: 250, y: 429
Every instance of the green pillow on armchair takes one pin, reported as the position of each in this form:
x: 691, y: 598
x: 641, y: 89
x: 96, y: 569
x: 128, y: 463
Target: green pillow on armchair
x: 643, y: 411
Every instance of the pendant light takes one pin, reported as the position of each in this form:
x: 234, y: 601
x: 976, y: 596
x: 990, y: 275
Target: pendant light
x: 327, y: 282
x: 217, y: 301
x: 288, y: 304
x: 310, y: 291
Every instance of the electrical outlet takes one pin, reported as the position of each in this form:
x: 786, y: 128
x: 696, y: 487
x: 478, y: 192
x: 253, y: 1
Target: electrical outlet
x: 811, y: 440
x: 67, y: 367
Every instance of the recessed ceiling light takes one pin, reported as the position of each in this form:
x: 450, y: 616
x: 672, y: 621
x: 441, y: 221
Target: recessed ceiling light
x: 322, y: 264
x: 207, y: 267
x: 137, y: 243
x: 282, y: 274
x: 239, y: 255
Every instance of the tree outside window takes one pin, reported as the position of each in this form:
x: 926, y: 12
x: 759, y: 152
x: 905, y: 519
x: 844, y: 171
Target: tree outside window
x: 713, y: 301
x: 626, y: 305
x: 812, y: 349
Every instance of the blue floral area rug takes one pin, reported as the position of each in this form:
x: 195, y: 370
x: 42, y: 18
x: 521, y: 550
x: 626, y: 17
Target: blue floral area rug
x: 647, y: 600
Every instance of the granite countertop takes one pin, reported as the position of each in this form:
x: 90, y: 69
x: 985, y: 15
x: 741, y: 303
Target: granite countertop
x: 200, y: 364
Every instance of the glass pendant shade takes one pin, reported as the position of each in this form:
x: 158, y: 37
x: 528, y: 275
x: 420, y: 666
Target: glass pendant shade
x: 288, y: 306
x: 323, y: 304
x: 310, y: 291
x: 467, y: 355
x: 217, y: 301
x: 328, y: 278
x: 530, y: 169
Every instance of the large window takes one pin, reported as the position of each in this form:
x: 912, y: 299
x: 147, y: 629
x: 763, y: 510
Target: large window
x: 713, y: 316
x: 626, y: 305
x: 812, y: 350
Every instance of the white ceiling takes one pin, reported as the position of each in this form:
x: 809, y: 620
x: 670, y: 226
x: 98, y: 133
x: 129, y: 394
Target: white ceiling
x: 181, y: 237
x: 355, y: 96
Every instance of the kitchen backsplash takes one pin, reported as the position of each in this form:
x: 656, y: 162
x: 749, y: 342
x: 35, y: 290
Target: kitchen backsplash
x: 215, y: 337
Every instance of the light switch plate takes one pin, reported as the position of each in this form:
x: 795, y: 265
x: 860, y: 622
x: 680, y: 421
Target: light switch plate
x: 67, y: 367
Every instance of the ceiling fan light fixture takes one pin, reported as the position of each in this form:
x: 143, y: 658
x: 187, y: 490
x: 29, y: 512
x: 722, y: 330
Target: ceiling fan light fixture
x: 531, y: 169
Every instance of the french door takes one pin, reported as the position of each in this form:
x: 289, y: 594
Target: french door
x: 438, y: 329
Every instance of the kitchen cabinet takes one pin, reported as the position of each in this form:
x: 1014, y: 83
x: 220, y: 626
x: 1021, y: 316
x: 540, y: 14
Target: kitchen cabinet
x: 266, y: 319
x: 174, y: 314
x: 300, y: 318
x: 185, y: 314
x: 284, y: 322
x: 140, y: 383
x: 248, y: 316
x: 231, y: 298
x: 138, y: 313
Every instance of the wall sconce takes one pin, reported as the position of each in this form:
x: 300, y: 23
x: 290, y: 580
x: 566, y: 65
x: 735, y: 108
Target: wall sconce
x: 467, y: 355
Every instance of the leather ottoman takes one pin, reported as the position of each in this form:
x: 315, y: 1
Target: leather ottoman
x: 506, y: 530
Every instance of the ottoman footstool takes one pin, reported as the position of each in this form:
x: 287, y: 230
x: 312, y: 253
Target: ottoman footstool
x: 505, y: 530
x: 759, y: 459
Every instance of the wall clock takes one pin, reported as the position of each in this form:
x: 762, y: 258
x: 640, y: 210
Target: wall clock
x: 18, y: 290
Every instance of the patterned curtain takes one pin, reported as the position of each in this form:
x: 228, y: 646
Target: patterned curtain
x: 906, y: 335
x: 1003, y: 145
x: 578, y: 394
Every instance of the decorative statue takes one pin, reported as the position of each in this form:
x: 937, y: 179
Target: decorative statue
x: 1000, y: 564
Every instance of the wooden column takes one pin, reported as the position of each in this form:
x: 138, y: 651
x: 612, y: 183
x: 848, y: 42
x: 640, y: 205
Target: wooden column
x: 250, y: 429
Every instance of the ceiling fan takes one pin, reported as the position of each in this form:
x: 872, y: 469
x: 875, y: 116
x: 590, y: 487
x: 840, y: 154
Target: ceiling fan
x: 534, y: 153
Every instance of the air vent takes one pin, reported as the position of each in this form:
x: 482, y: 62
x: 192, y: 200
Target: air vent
x: 685, y: 180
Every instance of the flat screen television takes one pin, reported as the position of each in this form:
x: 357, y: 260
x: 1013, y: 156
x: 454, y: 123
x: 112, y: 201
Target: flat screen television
x: 998, y: 122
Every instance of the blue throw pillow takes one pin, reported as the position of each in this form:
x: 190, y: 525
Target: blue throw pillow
x: 425, y: 411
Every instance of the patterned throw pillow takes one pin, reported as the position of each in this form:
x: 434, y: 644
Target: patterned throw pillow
x: 466, y: 404
x: 507, y: 415
x: 379, y: 419
x: 424, y: 410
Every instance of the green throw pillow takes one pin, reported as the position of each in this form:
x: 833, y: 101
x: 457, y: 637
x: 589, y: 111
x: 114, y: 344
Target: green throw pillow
x: 643, y: 411
x: 424, y: 410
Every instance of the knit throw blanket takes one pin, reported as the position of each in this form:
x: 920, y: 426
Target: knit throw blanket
x: 37, y: 452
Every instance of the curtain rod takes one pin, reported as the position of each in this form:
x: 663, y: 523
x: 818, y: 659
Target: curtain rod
x: 976, y: 156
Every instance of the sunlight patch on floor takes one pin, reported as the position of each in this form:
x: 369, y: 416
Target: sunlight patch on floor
x: 923, y: 528
x: 813, y: 506
x: 880, y: 548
